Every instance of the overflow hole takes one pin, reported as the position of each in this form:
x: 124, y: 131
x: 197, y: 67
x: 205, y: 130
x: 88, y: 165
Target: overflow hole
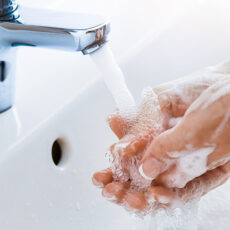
x: 2, y: 71
x: 57, y: 153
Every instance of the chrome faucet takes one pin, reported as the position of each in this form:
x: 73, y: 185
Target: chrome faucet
x: 43, y: 28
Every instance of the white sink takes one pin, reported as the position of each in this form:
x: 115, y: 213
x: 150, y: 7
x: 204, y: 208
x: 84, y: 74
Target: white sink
x: 60, y: 95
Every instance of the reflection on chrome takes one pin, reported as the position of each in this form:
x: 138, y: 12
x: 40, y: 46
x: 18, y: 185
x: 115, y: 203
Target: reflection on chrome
x: 43, y: 28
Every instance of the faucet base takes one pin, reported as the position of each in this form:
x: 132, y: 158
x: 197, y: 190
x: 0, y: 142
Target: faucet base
x: 48, y: 29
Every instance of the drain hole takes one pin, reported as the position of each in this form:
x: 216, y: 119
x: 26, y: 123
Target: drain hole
x: 57, y: 153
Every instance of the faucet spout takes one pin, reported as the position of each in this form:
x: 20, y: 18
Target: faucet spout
x: 58, y: 30
x: 43, y: 28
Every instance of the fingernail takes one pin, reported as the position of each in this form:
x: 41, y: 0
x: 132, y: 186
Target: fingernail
x: 175, y: 180
x: 150, y: 169
x: 108, y: 195
x: 97, y: 183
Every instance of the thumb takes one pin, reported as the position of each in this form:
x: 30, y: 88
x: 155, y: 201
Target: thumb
x: 182, y: 146
x: 163, y: 152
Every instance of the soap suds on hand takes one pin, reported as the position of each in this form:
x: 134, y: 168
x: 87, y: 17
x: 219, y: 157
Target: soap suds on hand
x: 222, y: 124
x: 191, y: 165
x: 149, y: 121
x: 191, y: 162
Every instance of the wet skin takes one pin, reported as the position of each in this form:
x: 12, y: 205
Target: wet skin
x: 193, y: 111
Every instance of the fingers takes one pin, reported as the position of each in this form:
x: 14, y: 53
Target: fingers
x: 172, y: 103
x: 176, y: 96
x: 162, y: 153
x: 226, y: 168
x: 135, y: 200
x: 193, y: 190
x: 205, y: 183
x: 119, y: 193
x: 102, y: 178
x: 186, y: 168
x: 130, y: 146
x: 154, y: 197
x: 115, y: 191
x: 160, y: 194
x: 174, y: 121
x: 136, y: 146
x: 119, y: 125
x: 188, y: 138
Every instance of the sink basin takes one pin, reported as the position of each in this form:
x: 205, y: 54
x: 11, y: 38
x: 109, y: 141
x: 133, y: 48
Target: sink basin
x: 60, y: 96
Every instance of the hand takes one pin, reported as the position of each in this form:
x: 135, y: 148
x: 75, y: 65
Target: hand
x: 159, y: 196
x: 198, y: 143
x: 174, y: 98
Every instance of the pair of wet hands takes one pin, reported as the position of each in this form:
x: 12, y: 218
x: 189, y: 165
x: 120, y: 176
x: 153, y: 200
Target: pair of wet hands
x: 193, y: 117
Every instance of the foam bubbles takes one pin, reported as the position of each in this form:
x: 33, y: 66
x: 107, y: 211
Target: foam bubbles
x: 148, y: 125
x: 192, y: 164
